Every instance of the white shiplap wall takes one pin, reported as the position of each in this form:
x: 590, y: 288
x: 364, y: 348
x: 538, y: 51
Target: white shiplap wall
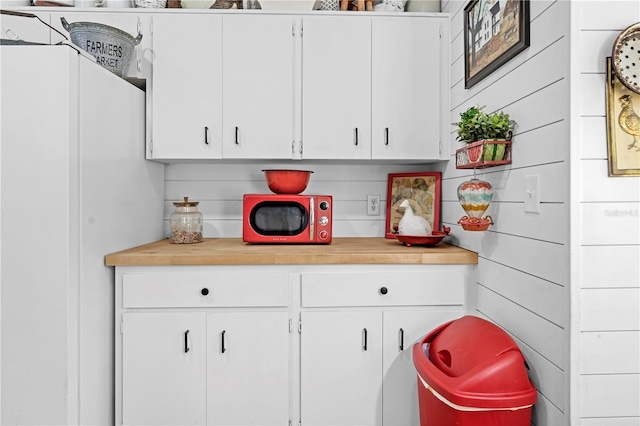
x: 606, y: 275
x: 219, y: 189
x: 523, y: 270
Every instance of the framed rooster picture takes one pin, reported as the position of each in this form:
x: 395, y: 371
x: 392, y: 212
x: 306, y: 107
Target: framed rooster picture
x: 623, y: 127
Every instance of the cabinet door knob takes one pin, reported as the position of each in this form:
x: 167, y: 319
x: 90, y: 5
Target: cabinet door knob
x: 383, y: 290
x: 204, y: 291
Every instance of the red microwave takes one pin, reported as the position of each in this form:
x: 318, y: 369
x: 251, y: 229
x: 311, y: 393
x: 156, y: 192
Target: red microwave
x: 287, y: 218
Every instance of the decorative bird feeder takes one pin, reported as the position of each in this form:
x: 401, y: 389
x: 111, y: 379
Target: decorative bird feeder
x: 475, y: 196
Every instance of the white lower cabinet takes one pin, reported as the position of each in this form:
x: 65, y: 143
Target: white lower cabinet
x: 341, y: 363
x: 164, y: 369
x: 254, y: 345
x: 401, y: 329
x: 357, y: 366
x: 357, y: 332
x: 248, y: 368
x: 198, y: 368
x: 197, y: 347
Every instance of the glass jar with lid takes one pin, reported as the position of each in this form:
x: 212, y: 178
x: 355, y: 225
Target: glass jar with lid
x: 185, y: 223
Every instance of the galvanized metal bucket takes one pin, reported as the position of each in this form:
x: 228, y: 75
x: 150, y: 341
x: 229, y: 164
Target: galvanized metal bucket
x: 112, y: 47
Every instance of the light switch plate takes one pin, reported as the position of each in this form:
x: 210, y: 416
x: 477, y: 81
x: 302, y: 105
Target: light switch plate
x: 532, y: 194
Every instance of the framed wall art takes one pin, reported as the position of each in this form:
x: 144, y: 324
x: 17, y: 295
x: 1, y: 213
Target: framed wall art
x: 495, y: 31
x: 423, y: 192
x: 623, y: 130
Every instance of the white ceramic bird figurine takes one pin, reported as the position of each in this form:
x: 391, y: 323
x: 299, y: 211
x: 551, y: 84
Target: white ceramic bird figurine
x: 410, y: 224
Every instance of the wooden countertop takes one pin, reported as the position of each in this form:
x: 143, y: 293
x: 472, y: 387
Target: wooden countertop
x: 232, y: 251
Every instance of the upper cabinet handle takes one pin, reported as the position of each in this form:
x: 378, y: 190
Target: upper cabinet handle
x: 356, y: 131
x: 386, y: 136
x: 364, y: 339
x: 186, y: 341
x: 223, y: 349
x: 237, y: 142
x: 401, y: 340
x: 206, y: 135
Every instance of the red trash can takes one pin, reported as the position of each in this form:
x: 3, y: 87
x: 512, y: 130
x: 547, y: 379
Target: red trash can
x: 471, y: 372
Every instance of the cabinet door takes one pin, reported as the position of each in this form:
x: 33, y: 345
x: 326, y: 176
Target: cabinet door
x: 401, y: 330
x: 186, y: 87
x: 406, y: 88
x: 258, y: 73
x: 341, y: 361
x: 336, y: 87
x: 248, y: 368
x: 164, y: 369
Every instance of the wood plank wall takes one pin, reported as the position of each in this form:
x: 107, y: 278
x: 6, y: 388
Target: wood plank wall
x: 606, y: 282
x: 523, y: 271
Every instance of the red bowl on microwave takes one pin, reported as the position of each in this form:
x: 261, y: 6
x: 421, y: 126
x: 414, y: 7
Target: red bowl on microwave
x: 284, y: 181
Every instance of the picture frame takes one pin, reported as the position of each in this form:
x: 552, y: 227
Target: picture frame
x: 423, y: 189
x: 494, y: 32
x: 622, y: 145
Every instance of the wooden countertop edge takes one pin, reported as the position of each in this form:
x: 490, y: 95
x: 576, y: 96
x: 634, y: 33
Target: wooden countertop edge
x: 343, y: 251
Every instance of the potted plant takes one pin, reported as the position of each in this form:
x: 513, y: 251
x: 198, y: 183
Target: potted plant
x: 485, y: 134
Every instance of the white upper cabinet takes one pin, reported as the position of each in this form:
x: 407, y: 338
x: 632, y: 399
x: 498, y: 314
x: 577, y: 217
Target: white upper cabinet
x: 258, y: 74
x: 336, y: 87
x: 407, y: 76
x: 185, y: 91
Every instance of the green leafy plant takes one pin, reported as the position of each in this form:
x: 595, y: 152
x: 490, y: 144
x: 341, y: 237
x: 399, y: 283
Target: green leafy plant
x: 475, y: 124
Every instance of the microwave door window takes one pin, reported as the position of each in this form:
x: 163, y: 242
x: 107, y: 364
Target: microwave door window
x: 278, y: 218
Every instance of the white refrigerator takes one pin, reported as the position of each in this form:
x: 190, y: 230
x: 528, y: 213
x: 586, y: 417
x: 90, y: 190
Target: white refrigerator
x: 74, y: 187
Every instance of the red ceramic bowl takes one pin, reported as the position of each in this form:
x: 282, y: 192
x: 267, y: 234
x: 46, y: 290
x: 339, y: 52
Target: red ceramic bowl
x: 283, y: 181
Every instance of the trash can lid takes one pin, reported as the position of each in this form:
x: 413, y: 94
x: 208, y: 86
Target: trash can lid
x: 473, y: 362
x: 467, y: 342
